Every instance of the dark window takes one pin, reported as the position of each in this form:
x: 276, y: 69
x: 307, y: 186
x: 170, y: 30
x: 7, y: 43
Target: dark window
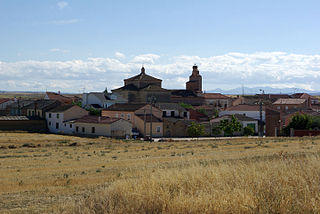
x: 185, y: 114
x: 164, y: 113
x: 172, y: 113
x: 65, y: 125
x: 49, y: 115
x: 57, y: 125
x: 49, y: 123
x: 70, y: 125
x: 93, y: 130
x: 57, y: 115
x: 83, y: 129
x: 77, y: 129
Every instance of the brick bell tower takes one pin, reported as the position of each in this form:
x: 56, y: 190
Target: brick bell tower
x: 195, y: 81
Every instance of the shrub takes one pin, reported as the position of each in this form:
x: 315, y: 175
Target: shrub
x: 248, y: 131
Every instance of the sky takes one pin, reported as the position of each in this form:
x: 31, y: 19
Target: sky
x: 82, y: 45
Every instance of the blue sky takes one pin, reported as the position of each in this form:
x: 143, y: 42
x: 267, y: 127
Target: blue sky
x: 60, y: 42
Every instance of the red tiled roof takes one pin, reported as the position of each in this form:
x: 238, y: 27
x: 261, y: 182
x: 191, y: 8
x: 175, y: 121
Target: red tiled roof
x: 148, y: 118
x: 289, y: 101
x: 97, y: 119
x: 214, y: 96
x: 243, y: 107
x: 195, y: 115
x: 59, y: 97
x: 4, y: 100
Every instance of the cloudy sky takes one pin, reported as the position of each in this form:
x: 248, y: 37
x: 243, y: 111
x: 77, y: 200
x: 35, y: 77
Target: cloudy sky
x: 77, y: 45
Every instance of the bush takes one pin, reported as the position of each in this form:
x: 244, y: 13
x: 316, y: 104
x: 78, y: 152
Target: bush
x: 248, y: 131
x: 196, y: 130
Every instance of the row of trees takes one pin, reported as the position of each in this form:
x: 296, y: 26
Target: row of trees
x: 302, y: 122
x: 228, y: 127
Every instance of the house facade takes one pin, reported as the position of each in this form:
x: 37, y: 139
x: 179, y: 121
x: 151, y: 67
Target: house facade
x: 102, y: 126
x: 58, y: 119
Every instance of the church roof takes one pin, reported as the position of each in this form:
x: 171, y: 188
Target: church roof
x: 143, y: 76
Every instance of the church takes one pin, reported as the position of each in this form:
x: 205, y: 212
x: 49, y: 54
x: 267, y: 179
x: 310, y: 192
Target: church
x: 139, y: 89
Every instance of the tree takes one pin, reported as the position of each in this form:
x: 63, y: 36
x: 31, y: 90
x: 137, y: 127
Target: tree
x: 300, y: 121
x: 195, y: 130
x: 186, y: 106
x: 230, y: 126
x: 248, y: 131
x: 93, y: 111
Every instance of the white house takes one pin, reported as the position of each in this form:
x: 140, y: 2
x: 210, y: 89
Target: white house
x: 101, y: 99
x: 252, y: 111
x: 103, y: 126
x: 58, y: 119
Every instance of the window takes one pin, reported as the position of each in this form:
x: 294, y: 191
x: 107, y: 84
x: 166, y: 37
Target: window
x: 57, y: 115
x: 287, y: 107
x: 117, y: 115
x: 158, y: 129
x: 83, y: 129
x: 70, y: 125
x: 185, y: 114
x: 57, y: 125
x: 122, y: 115
x: 129, y: 116
x: 172, y: 113
x: 33, y: 113
x: 77, y: 128
x: 164, y: 113
x: 49, y: 115
x: 49, y: 123
x: 278, y: 107
x: 93, y: 130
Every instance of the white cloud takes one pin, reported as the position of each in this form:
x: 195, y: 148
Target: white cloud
x: 275, y: 69
x: 119, y: 55
x: 58, y: 50
x: 62, y: 4
x: 65, y: 22
x: 145, y: 58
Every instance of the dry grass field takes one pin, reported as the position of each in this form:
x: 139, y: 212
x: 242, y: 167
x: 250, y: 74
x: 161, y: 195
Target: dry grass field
x: 42, y: 173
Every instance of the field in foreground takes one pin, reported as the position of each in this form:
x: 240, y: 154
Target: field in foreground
x: 62, y: 174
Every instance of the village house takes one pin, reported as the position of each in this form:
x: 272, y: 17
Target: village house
x: 63, y: 99
x: 38, y: 108
x: 4, y: 102
x: 134, y: 113
x: 291, y: 103
x: 143, y: 124
x: 217, y: 100
x: 244, y: 121
x: 252, y: 111
x: 102, y: 126
x: 57, y: 118
x: 100, y: 100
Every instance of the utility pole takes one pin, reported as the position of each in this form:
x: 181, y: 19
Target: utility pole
x: 152, y: 100
x: 260, y: 121
x: 145, y: 127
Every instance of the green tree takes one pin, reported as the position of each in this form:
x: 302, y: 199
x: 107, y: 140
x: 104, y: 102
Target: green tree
x: 248, y: 131
x: 186, y: 106
x: 196, y: 130
x: 230, y: 126
x: 93, y: 111
x: 300, y: 121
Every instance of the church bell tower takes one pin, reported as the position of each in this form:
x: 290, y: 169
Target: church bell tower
x: 195, y: 81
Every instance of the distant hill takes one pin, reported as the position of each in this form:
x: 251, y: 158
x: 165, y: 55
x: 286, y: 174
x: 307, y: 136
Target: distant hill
x: 267, y: 90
